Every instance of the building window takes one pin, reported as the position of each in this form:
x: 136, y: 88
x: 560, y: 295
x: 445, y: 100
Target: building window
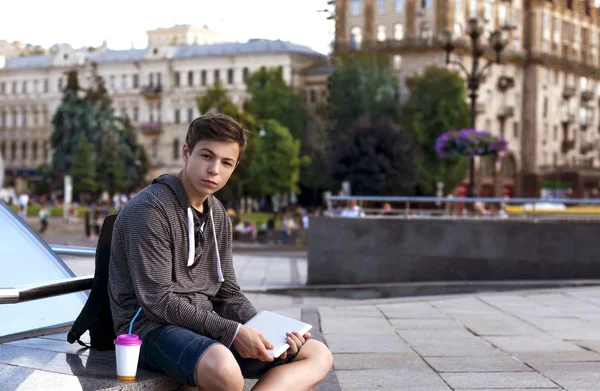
x: 124, y: 113
x: 35, y: 86
x: 24, y: 150
x: 425, y: 33
x: 34, y: 151
x: 46, y: 85
x: 355, y: 38
x: 426, y: 4
x: 457, y: 30
x: 136, y: 81
x: 175, y: 149
x: 582, y: 83
x: 203, y: 78
x: 516, y: 130
x: 124, y: 82
x: 25, y: 87
x: 3, y: 120
x: 355, y: 7
x: 14, y: 119
x: 111, y: 83
x: 24, y: 119
x: 158, y: 78
x: 151, y: 79
x: 60, y: 85
x: 399, y: 5
x: 3, y: 150
x: 3, y: 88
x: 190, y: 80
x: 381, y: 33
x: 488, y: 125
x: 487, y: 10
x: 13, y: 151
x: 245, y: 73
x: 230, y: 76
x: 217, y: 75
x: 472, y: 8
x: 502, y: 14
x: 396, y: 62
x: 381, y: 6
x: 190, y: 115
x: 46, y: 151
x: 458, y: 7
x: 555, y: 133
x: 136, y: 114
x: 545, y: 108
x: 177, y: 79
x: 398, y: 31
x: 177, y: 116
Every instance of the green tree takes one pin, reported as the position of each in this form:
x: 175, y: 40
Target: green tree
x: 275, y: 164
x: 215, y: 99
x: 71, y: 119
x: 363, y: 84
x: 83, y: 170
x: 132, y: 155
x: 437, y: 103
x: 272, y: 98
x: 375, y: 158
x: 109, y: 167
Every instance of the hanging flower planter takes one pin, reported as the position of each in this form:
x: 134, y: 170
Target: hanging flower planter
x: 470, y: 143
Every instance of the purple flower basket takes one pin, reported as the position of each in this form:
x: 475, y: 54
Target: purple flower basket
x: 469, y: 142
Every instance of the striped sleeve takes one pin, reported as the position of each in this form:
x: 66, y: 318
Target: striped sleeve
x: 147, y: 240
x: 229, y: 301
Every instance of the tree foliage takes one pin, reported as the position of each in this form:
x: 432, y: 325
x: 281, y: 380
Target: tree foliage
x: 89, y: 115
x: 83, y: 170
x: 272, y: 98
x: 375, y: 158
x: 275, y: 164
x: 437, y: 103
x: 363, y: 85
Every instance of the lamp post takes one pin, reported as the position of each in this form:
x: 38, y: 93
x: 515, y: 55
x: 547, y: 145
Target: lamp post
x: 497, y: 42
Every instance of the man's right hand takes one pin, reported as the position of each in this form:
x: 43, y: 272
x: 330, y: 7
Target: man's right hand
x: 250, y: 343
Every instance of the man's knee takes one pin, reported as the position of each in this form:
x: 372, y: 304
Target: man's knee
x: 318, y: 353
x: 218, y: 370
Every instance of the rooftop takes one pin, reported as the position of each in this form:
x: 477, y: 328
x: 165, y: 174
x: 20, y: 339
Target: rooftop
x: 253, y: 46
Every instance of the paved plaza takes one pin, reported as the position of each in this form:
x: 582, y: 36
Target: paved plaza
x: 521, y: 340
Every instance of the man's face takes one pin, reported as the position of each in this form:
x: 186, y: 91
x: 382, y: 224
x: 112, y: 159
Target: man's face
x: 211, y: 163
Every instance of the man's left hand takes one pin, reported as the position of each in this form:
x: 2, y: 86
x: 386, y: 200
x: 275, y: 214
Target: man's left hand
x: 295, y: 340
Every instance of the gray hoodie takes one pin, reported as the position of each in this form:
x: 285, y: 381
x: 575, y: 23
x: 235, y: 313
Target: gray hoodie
x: 156, y: 264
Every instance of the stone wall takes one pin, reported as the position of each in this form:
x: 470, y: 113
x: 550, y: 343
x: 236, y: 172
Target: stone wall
x: 373, y: 250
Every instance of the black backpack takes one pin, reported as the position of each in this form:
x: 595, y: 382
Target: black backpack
x: 95, y: 315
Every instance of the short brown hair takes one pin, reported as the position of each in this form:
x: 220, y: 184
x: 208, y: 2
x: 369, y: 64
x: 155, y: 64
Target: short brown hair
x: 215, y: 127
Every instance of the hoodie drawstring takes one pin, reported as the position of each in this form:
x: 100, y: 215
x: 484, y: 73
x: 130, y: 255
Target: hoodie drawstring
x: 192, y: 241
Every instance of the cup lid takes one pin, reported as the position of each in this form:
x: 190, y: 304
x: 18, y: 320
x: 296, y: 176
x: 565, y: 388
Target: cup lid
x: 128, y: 340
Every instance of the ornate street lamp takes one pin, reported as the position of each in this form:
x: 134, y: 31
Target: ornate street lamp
x: 497, y: 42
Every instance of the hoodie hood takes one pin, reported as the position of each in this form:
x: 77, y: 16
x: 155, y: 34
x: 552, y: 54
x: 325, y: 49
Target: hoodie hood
x: 178, y: 190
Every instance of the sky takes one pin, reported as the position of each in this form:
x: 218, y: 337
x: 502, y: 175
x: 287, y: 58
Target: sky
x: 123, y: 23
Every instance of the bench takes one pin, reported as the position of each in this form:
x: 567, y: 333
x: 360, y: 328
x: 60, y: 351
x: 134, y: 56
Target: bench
x: 50, y: 363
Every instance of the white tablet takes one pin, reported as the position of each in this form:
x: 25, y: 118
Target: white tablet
x: 274, y: 327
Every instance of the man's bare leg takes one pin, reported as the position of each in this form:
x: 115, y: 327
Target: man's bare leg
x: 218, y: 370
x: 302, y: 374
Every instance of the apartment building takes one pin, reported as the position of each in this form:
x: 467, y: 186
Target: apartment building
x: 156, y: 87
x: 543, y: 98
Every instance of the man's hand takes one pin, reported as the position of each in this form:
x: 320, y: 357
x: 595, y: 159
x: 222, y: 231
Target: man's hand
x: 250, y: 343
x: 295, y: 340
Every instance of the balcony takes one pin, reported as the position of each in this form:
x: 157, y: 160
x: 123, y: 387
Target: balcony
x: 567, y: 145
x: 568, y: 92
x: 152, y: 92
x: 567, y: 119
x: 505, y: 82
x: 587, y: 95
x: 480, y: 108
x: 586, y: 147
x: 506, y: 112
x: 151, y: 128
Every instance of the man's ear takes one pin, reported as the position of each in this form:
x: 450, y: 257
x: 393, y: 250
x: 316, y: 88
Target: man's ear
x: 185, y: 152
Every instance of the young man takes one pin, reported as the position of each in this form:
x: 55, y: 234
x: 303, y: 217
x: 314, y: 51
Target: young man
x: 171, y: 257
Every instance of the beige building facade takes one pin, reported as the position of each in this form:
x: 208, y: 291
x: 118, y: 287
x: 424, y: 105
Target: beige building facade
x: 543, y: 98
x: 156, y: 87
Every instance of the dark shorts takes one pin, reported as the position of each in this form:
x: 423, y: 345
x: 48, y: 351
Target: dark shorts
x: 175, y: 351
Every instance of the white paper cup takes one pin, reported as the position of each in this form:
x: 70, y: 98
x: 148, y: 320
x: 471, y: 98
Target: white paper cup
x: 127, y: 351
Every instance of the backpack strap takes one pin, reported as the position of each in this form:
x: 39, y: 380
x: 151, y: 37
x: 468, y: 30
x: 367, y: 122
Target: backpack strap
x: 85, y: 345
